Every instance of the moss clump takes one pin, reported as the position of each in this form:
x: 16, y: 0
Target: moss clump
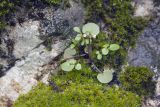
x: 123, y: 28
x: 94, y: 8
x: 63, y: 3
x: 53, y: 1
x: 77, y: 89
x: 5, y: 6
x: 138, y: 80
x: 108, y: 60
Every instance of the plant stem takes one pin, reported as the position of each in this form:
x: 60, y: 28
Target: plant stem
x: 90, y: 58
x: 77, y: 56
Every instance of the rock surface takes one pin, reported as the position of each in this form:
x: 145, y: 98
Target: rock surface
x: 147, y: 52
x: 27, y: 48
x: 143, y: 7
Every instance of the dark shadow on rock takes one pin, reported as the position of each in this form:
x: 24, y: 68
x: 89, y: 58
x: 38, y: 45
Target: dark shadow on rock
x: 156, y: 2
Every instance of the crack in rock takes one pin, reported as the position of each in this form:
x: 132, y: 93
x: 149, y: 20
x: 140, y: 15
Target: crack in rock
x: 30, y: 50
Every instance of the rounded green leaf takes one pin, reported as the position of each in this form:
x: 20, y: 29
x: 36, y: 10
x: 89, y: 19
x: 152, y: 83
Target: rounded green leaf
x: 72, y: 46
x: 69, y: 52
x: 106, y: 46
x: 82, y: 43
x: 91, y: 28
x: 78, y: 37
x: 106, y: 69
x: 87, y: 41
x: 77, y: 29
x: 105, y: 77
x: 114, y: 47
x: 78, y: 66
x: 97, y: 52
x: 99, y: 56
x: 105, y: 51
x: 67, y: 66
x: 72, y: 61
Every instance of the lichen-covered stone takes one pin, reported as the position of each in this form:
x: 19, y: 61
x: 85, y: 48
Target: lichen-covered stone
x: 28, y: 50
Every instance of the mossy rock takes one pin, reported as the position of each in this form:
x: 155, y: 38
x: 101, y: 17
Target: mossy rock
x: 138, y: 80
x: 77, y: 89
x: 122, y: 26
x: 53, y: 1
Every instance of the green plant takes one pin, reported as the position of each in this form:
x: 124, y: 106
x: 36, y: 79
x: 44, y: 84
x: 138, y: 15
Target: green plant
x: 119, y: 21
x: 86, y: 39
x: 95, y: 9
x: 106, y: 76
x: 53, y: 1
x: 138, y: 80
x: 77, y: 89
x: 5, y: 6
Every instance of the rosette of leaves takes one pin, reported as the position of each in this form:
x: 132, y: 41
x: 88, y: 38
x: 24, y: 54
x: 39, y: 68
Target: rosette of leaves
x: 85, y: 37
x: 71, y: 63
x: 69, y: 52
x: 89, y: 31
x: 105, y: 50
x: 106, y: 76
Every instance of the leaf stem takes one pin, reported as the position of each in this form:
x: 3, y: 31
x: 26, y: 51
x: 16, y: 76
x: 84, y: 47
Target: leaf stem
x: 90, y: 58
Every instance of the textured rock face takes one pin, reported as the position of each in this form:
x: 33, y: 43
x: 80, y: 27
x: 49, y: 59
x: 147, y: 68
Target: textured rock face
x: 143, y: 7
x: 147, y: 52
x: 28, y: 50
x: 25, y: 38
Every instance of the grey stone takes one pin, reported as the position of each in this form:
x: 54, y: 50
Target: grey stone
x: 143, y: 8
x: 146, y: 53
x: 32, y: 56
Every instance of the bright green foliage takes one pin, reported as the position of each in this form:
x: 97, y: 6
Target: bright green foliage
x: 68, y: 65
x: 100, y: 48
x: 123, y: 28
x: 87, y: 38
x: 78, y: 89
x: 114, y: 47
x: 77, y: 29
x: 138, y: 80
x: 106, y: 76
x: 91, y: 28
x: 99, y: 56
x: 69, y: 52
x: 78, y: 66
x: 105, y: 51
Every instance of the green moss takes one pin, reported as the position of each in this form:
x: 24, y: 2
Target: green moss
x: 5, y: 6
x: 94, y: 8
x: 138, y: 80
x: 77, y: 89
x: 123, y: 28
x: 53, y: 1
